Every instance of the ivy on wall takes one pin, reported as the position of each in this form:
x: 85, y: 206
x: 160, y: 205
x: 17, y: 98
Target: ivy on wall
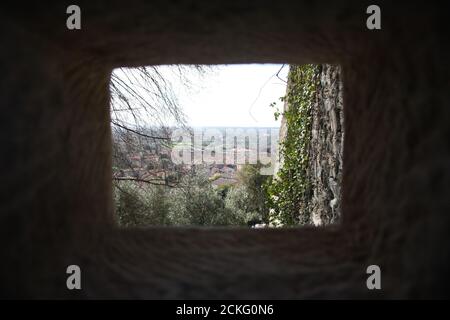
x: 290, y: 192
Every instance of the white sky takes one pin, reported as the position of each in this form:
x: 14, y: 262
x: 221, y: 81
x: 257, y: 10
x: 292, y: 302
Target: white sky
x: 236, y: 96
x: 231, y: 95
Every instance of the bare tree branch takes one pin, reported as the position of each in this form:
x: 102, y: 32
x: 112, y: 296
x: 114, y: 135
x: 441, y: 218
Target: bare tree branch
x: 145, y: 181
x: 144, y: 105
x: 138, y: 133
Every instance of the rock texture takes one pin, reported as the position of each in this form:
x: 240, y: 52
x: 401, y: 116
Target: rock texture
x: 326, y: 147
x: 326, y: 150
x: 56, y: 191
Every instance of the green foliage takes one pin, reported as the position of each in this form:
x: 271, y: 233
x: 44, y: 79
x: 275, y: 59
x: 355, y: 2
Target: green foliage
x: 239, y: 203
x: 255, y: 184
x: 277, y: 112
x: 215, y: 176
x: 138, y: 205
x: 289, y: 193
x: 224, y: 189
x: 197, y: 204
x: 194, y: 202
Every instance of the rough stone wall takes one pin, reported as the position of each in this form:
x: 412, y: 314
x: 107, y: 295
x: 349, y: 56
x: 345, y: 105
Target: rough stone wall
x: 326, y: 149
x: 56, y: 206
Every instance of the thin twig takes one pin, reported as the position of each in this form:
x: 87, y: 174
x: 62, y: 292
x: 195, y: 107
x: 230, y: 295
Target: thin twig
x: 138, y: 133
